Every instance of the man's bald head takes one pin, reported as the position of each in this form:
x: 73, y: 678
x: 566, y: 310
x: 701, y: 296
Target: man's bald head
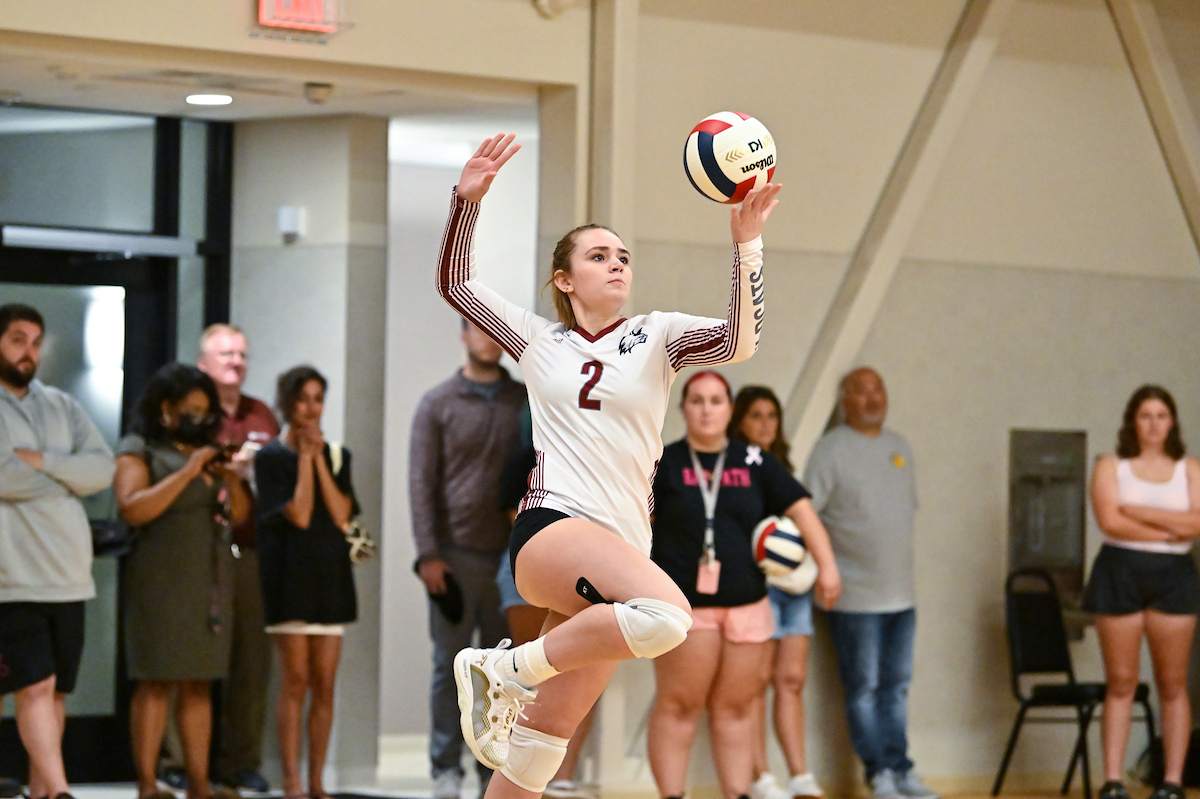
x: 864, y: 400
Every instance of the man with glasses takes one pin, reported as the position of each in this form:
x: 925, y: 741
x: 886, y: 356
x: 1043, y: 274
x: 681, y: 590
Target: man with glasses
x: 51, y: 455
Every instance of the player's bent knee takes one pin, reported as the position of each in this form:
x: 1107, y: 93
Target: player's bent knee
x: 533, y: 758
x: 652, y: 627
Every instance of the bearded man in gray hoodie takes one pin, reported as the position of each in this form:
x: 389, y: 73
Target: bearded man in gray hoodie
x: 51, y: 454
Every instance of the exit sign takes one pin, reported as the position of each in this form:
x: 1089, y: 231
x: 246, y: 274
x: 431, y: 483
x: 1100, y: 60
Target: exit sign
x: 305, y: 15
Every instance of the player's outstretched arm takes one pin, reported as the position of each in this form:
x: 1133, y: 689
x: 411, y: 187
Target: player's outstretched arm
x: 481, y: 170
x: 747, y: 220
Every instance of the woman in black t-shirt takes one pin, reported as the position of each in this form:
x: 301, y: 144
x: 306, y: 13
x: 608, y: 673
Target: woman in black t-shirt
x: 305, y: 501
x: 721, y: 664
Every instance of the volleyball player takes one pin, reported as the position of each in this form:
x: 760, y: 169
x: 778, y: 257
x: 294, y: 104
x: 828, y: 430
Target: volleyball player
x: 598, y: 389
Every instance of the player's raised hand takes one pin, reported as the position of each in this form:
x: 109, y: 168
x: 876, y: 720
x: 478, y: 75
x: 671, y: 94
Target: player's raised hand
x: 747, y: 220
x: 480, y: 171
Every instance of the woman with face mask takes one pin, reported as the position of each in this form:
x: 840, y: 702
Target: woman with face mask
x: 176, y: 488
x: 710, y: 492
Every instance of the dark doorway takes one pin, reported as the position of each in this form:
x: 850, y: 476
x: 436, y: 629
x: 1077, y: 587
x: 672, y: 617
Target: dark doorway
x: 110, y: 324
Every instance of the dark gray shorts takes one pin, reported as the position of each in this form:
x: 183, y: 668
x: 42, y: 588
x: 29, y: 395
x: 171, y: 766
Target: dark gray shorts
x: 1125, y: 581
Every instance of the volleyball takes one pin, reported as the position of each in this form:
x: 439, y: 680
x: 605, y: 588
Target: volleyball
x: 727, y: 155
x: 780, y: 553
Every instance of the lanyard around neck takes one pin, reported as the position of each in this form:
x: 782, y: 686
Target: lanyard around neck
x: 708, y: 492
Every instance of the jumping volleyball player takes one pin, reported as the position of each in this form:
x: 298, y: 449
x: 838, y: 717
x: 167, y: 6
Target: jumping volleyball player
x: 598, y: 389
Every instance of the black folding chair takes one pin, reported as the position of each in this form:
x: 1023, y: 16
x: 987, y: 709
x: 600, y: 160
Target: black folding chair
x: 1037, y: 645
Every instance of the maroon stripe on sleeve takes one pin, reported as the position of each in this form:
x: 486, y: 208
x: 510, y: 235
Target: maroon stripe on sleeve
x: 715, y: 344
x: 453, y: 272
x: 537, y: 493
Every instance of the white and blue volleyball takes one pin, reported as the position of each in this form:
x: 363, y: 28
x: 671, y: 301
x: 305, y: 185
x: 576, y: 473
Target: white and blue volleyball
x: 781, y: 554
x: 727, y: 155
x: 778, y: 547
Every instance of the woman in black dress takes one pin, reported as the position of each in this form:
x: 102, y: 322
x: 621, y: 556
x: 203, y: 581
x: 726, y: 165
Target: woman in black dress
x: 305, y: 502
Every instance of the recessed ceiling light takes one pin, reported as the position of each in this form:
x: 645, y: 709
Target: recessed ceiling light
x: 209, y: 99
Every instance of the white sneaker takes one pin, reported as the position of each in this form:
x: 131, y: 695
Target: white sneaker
x: 447, y: 785
x: 488, y: 705
x: 765, y: 787
x: 804, y: 786
x: 910, y: 785
x: 568, y: 789
x: 883, y: 786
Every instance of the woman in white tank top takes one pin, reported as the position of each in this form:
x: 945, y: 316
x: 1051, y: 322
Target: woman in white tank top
x: 1143, y: 582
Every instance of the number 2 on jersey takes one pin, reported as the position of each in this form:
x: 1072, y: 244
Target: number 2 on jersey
x: 595, y: 368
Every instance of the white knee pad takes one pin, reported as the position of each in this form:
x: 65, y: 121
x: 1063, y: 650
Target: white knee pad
x: 533, y: 758
x: 652, y: 627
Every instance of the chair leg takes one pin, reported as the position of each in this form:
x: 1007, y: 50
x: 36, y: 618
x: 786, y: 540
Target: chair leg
x: 1085, y: 764
x: 1012, y: 744
x: 1079, y: 754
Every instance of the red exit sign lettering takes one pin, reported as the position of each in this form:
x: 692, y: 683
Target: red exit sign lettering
x: 305, y: 15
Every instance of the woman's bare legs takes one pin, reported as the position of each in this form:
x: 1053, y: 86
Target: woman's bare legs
x: 548, y: 568
x: 581, y: 640
x: 294, y: 665
x: 790, y: 675
x: 1170, y: 639
x: 1120, y: 644
x: 147, y: 723
x: 683, y: 678
x: 730, y: 716
x: 759, y: 708
x: 567, y: 770
x: 524, y: 622
x: 323, y: 654
x: 562, y: 703
x: 193, y: 712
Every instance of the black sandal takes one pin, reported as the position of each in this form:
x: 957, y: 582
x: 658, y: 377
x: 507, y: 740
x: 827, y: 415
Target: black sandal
x: 1115, y: 790
x: 1168, y: 790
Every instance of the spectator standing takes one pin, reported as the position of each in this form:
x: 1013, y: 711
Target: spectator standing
x: 861, y: 476
x: 174, y: 486
x: 246, y: 425
x: 51, y: 454
x: 306, y: 500
x: 758, y: 420
x: 1143, y: 582
x: 464, y: 432
x: 710, y: 492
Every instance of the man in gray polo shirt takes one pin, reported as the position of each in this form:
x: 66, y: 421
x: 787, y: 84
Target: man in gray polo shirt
x: 51, y: 454
x: 863, y: 486
x: 464, y: 432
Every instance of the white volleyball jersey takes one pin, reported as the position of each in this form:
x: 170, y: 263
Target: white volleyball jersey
x: 598, y: 402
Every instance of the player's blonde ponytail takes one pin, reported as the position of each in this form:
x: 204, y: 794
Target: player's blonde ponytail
x: 561, y: 262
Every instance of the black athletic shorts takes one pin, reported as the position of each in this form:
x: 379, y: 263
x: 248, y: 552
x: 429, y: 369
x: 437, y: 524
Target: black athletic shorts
x: 528, y: 524
x: 38, y: 639
x: 1125, y: 581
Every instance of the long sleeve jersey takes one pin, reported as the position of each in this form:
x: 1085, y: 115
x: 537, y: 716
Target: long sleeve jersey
x: 598, y: 401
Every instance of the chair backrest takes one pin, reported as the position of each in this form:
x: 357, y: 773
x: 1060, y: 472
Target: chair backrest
x: 1037, y: 636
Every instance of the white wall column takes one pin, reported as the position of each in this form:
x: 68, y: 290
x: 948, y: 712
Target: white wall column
x: 320, y: 300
